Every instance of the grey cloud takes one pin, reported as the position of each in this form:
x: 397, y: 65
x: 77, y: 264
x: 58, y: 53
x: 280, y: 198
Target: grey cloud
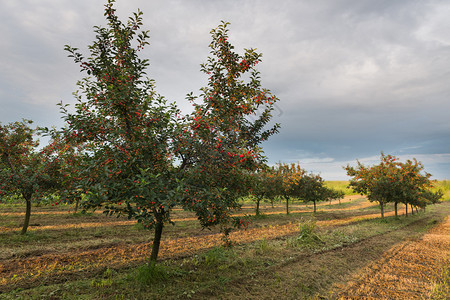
x: 354, y: 77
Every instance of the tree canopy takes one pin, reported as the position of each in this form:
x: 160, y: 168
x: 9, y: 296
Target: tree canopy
x: 25, y: 169
x: 393, y: 181
x: 140, y: 155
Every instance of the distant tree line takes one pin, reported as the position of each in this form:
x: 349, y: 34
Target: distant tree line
x: 290, y: 181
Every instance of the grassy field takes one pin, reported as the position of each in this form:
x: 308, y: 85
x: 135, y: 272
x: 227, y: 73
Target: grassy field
x: 340, y: 186
x: 303, y: 255
x: 444, y: 186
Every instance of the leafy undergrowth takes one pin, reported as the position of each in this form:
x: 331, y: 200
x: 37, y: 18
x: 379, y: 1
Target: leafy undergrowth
x: 304, y: 261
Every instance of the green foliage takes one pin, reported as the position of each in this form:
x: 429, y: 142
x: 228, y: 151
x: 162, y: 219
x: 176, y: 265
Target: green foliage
x: 444, y: 187
x: 150, y: 273
x: 290, y: 176
x: 312, y: 188
x: 121, y: 128
x: 216, y: 256
x: 11, y: 199
x: 308, y: 236
x: 265, y: 185
x: 394, y: 181
x: 341, y: 186
x: 297, y: 183
x: 137, y: 155
x: 25, y: 170
x: 441, y: 288
x: 220, y: 145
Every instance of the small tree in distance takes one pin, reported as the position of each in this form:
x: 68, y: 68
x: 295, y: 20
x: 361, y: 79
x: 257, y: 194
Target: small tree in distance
x: 297, y: 183
x: 265, y: 185
x: 24, y: 170
x: 393, y: 181
x: 291, y: 176
x: 313, y: 189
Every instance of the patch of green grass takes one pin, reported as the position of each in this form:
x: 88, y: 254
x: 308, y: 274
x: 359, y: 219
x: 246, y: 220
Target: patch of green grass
x: 308, y: 236
x: 340, y: 186
x: 342, y: 205
x: 260, y: 216
x: 149, y: 274
x: 216, y: 257
x: 8, y: 222
x: 139, y: 227
x: 81, y: 214
x: 444, y: 187
x: 14, y: 238
x: 263, y: 246
x: 106, y: 280
x: 442, y: 282
x: 313, y: 238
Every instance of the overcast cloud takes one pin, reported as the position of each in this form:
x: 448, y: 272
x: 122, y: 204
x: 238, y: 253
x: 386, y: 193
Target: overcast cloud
x: 354, y: 77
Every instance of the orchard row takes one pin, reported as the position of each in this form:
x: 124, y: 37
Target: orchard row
x: 127, y: 150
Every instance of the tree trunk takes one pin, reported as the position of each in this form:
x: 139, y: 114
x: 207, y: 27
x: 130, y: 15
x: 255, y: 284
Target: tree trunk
x: 412, y: 210
x: 157, y: 240
x: 314, y: 206
x: 406, y: 207
x: 257, y: 206
x: 76, y: 205
x: 417, y: 211
x: 287, y: 205
x: 395, y: 206
x: 382, y: 209
x: 27, y: 216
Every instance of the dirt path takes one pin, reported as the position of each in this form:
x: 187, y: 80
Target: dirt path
x: 406, y: 271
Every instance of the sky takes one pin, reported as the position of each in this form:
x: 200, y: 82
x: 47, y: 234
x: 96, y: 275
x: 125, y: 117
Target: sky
x: 354, y: 78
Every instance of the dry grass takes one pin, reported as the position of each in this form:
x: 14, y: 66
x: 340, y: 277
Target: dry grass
x: 66, y: 247
x: 406, y: 271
